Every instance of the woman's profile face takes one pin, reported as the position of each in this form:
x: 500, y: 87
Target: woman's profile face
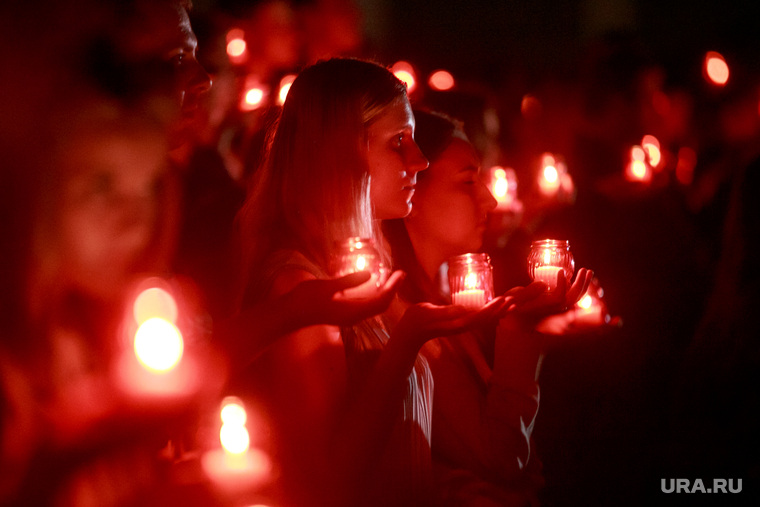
x: 394, y: 161
x: 451, y: 204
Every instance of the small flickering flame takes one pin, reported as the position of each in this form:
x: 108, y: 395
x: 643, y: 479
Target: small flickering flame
x: 471, y: 281
x: 254, y: 97
x: 500, y: 185
x: 552, y: 175
x: 405, y: 72
x: 154, y: 302
x: 651, y: 146
x: 233, y: 435
x: 637, y: 169
x: 234, y: 438
x: 585, y: 302
x: 361, y: 263
x: 158, y: 345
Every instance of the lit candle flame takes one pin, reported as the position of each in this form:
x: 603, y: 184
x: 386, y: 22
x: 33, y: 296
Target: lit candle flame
x: 158, y: 345
x: 361, y: 263
x: 234, y: 438
x: 154, y: 302
x: 585, y: 302
x: 471, y: 281
x: 405, y: 72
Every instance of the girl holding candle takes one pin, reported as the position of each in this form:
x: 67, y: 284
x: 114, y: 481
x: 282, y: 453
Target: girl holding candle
x: 350, y: 406
x: 486, y: 396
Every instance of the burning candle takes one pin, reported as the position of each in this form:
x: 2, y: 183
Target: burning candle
x: 236, y: 466
x: 547, y: 257
x: 155, y: 364
x: 471, y: 279
x: 504, y: 187
x: 359, y: 254
x: 591, y: 309
x: 638, y: 170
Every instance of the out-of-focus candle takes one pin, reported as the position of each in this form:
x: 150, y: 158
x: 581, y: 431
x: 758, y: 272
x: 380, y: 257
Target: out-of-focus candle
x: 591, y: 308
x: 471, y: 279
x: 547, y: 257
x: 236, y: 466
x: 504, y: 187
x: 359, y: 254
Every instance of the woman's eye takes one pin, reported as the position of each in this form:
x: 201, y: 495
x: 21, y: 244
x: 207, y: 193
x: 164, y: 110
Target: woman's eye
x: 398, y: 139
x: 177, y: 59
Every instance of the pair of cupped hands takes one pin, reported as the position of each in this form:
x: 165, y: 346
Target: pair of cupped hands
x: 534, y: 307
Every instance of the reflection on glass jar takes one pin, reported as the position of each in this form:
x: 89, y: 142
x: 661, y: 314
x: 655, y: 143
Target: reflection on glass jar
x: 547, y: 257
x: 360, y: 254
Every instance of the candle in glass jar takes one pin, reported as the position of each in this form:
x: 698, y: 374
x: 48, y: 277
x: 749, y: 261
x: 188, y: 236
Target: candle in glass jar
x: 547, y: 257
x: 359, y: 254
x: 471, y: 280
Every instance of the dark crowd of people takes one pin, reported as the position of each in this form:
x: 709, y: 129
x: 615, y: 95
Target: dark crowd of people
x: 227, y: 158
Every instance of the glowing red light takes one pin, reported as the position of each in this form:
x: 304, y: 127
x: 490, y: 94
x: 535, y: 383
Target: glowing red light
x: 441, y: 80
x: 651, y: 146
x: 687, y: 161
x: 530, y: 107
x: 236, y: 47
x: 716, y: 68
x: 405, y: 72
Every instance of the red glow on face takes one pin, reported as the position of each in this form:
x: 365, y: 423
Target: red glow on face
x: 441, y: 80
x: 687, y: 161
x: 405, y: 72
x: 716, y: 68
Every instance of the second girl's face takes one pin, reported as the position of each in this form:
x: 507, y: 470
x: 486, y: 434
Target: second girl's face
x: 394, y: 161
x: 111, y: 210
x: 452, y: 202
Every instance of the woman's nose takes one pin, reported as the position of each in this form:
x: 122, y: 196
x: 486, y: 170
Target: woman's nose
x: 485, y: 197
x: 416, y: 161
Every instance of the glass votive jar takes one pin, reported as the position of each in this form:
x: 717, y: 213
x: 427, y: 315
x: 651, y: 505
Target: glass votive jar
x: 360, y: 254
x: 471, y: 279
x: 547, y: 257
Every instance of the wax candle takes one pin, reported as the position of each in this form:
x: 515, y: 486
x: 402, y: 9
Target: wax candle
x: 360, y: 254
x: 470, y: 298
x: 471, y: 280
x: 547, y: 274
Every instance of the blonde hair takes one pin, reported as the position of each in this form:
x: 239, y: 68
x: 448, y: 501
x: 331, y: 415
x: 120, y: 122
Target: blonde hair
x: 313, y: 187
